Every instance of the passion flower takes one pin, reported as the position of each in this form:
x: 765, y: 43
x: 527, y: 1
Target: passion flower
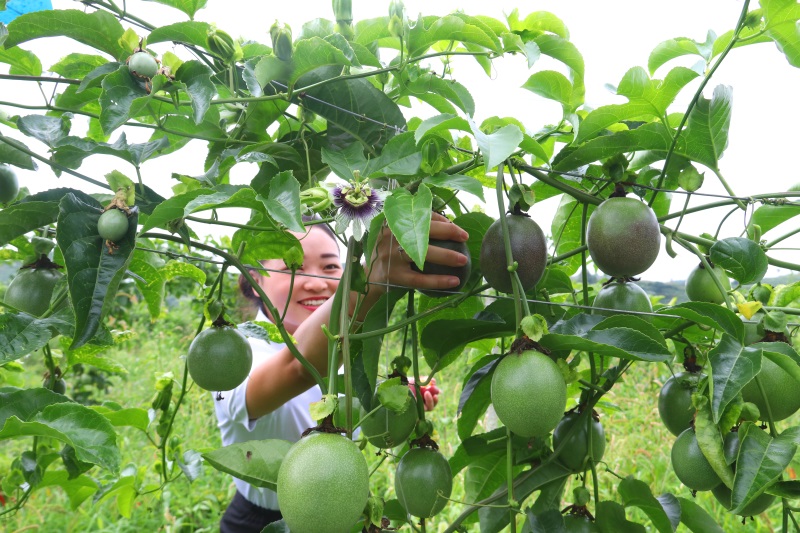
x: 357, y: 203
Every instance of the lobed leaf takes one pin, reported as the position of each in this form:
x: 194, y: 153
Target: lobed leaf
x: 257, y: 461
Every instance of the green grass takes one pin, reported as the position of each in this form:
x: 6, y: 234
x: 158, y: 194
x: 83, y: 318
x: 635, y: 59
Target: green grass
x: 637, y: 445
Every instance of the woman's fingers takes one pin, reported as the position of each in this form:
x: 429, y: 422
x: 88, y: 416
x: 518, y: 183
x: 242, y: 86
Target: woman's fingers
x: 444, y: 230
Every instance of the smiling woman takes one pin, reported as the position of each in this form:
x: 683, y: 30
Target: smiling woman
x: 273, y: 402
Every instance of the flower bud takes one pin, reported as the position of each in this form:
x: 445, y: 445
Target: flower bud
x: 343, y: 11
x: 222, y: 45
x: 281, y: 35
x: 397, y: 18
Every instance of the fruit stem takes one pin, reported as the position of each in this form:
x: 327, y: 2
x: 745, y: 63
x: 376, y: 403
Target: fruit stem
x: 689, y: 246
x: 415, y: 362
x: 585, y: 283
x: 763, y: 393
x: 516, y: 286
x: 510, y: 477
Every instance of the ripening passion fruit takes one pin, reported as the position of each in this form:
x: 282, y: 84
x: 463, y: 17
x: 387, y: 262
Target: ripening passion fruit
x: 323, y: 484
x: 143, y: 65
x: 623, y: 237
x: 462, y: 272
x: 700, y: 287
x: 575, y: 453
x: 423, y: 482
x: 219, y: 359
x: 675, y: 401
x: 529, y: 393
x: 9, y: 185
x: 528, y: 249
x: 781, y: 389
x: 690, y: 465
x: 31, y: 290
x: 112, y: 225
x: 625, y: 296
x: 385, y: 428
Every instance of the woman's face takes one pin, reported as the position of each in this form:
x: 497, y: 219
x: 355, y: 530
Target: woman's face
x: 321, y: 258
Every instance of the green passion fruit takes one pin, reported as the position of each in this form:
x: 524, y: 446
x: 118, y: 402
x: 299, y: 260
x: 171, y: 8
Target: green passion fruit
x: 528, y: 249
x: 623, y: 237
x: 462, y: 272
x: 528, y: 393
x: 782, y: 391
x: 700, y: 286
x: 423, y: 482
x: 112, y: 225
x: 386, y: 429
x: 31, y: 290
x: 690, y: 465
x: 219, y: 358
x: 323, y: 484
x: 9, y: 185
x: 624, y: 296
x: 575, y: 453
x: 143, y: 65
x: 675, y: 401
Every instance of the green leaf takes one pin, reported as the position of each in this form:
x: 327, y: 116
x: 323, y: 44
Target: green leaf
x: 78, y: 66
x: 49, y: 130
x: 429, y: 30
x: 498, y: 146
x: 475, y: 396
x: 761, y: 461
x: 190, y: 7
x: 551, y: 85
x: 485, y: 475
x: 708, y: 314
x: 706, y: 131
x: 611, y: 519
x: 393, y: 395
x: 636, y: 493
x: 89, y: 433
x: 786, y: 489
x: 399, y: 157
x: 149, y: 281
x: 71, y: 151
x: 344, y: 162
x: 94, y: 270
x: 696, y: 519
x: 377, y: 318
x: 742, y: 258
x: 20, y: 218
x: 732, y: 367
x: 354, y: 108
x: 409, y: 218
x: 271, y: 243
x: 13, y: 156
x: 193, y: 33
x: 196, y: 76
x: 78, y: 490
x: 134, y: 417
x: 458, y: 182
x: 622, y: 336
x: 22, y: 62
x: 767, y: 217
x: 257, y: 461
x: 182, y: 205
x: 119, y: 92
x: 96, y: 76
x: 313, y: 53
x: 710, y: 441
x: 781, y: 18
x: 670, y: 49
x: 99, y: 29
x: 283, y: 203
x: 21, y: 334
x: 439, y: 123
x: 443, y: 336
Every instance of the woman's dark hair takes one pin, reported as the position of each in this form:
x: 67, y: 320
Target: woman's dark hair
x: 247, y: 290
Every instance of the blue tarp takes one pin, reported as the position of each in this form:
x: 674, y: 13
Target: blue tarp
x: 15, y: 8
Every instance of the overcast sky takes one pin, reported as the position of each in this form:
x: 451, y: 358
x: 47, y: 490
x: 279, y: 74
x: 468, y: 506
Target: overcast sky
x: 613, y: 36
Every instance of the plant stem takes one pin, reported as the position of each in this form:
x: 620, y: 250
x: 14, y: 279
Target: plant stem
x: 693, y: 103
x: 510, y: 263
x: 510, y: 477
x: 22, y: 148
x: 420, y: 401
x: 344, y: 335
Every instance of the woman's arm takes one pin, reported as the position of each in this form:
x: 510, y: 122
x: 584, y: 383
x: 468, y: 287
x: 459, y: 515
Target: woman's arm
x: 281, y: 377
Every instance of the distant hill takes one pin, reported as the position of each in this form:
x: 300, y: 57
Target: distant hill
x: 674, y: 289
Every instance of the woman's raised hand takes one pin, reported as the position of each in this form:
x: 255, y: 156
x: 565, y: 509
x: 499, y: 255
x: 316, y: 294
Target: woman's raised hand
x: 391, y: 265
